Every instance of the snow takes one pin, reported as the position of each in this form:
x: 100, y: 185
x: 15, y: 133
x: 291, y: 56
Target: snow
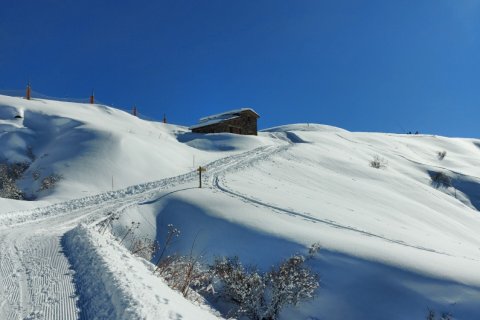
x: 392, y: 244
x: 112, y: 284
x: 94, y: 148
x: 208, y: 122
x: 227, y: 113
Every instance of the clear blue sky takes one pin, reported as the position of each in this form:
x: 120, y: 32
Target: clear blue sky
x: 361, y: 65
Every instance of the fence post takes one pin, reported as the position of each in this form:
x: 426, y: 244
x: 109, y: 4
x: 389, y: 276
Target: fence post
x: 200, y: 170
x: 28, y: 94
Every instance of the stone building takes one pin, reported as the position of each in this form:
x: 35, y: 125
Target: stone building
x: 240, y: 121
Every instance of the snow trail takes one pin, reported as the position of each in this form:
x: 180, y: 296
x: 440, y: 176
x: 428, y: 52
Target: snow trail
x: 218, y: 182
x: 35, y: 274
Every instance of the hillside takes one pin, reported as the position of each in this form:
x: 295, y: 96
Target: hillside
x: 396, y: 240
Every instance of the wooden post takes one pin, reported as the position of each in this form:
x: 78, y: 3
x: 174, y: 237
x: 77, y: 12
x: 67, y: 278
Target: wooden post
x: 92, y: 97
x: 200, y: 170
x: 134, y: 111
x: 164, y: 118
x: 28, y: 94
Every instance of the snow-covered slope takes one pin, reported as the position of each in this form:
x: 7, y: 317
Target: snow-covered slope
x: 97, y: 148
x: 394, y: 243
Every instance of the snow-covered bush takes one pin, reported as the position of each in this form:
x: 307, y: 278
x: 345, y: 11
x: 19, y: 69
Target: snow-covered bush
x: 184, y: 273
x: 314, y: 249
x: 50, y: 181
x: 251, y: 293
x: 245, y: 288
x: 289, y: 284
x: 378, y: 162
x: 261, y: 296
x: 9, y: 174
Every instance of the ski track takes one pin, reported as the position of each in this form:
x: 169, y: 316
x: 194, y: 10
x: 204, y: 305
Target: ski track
x: 218, y: 182
x: 35, y: 275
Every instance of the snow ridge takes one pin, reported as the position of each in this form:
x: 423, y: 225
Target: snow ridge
x: 112, y: 284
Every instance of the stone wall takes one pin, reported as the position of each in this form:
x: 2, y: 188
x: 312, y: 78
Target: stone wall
x: 246, y: 124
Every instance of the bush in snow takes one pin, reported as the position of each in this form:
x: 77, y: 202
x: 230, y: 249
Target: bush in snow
x: 253, y: 294
x: 244, y: 287
x: 313, y: 250
x: 172, y: 234
x: 9, y: 174
x: 107, y: 223
x: 184, y: 273
x: 261, y: 296
x: 290, y: 283
x: 50, y: 181
x: 378, y: 162
x: 440, y: 179
x: 432, y: 316
x: 145, y: 248
x: 130, y: 230
x: 441, y: 154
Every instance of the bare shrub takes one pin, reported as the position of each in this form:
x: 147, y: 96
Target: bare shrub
x: 30, y: 153
x: 441, y: 154
x: 314, y: 249
x: 431, y: 315
x: 108, y: 222
x: 50, y: 181
x: 440, y: 179
x: 378, y: 162
x: 171, y: 235
x: 145, y: 248
x: 133, y: 226
x: 184, y: 273
x: 35, y: 175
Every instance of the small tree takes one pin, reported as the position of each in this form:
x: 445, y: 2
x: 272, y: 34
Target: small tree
x: 262, y: 296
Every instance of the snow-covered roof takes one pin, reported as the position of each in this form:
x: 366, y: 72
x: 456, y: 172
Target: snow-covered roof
x: 224, y: 116
x: 208, y: 122
x: 227, y: 113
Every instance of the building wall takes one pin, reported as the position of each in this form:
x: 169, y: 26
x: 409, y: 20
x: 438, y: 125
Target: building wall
x: 245, y: 124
